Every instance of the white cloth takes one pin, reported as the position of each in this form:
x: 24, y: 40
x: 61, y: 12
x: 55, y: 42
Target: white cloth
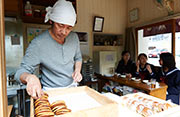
x: 62, y: 12
x: 74, y: 84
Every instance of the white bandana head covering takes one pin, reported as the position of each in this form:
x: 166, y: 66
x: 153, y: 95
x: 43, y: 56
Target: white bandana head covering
x: 62, y: 12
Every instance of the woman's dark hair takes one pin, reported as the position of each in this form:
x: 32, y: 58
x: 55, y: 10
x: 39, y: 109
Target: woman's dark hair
x: 124, y: 52
x: 168, y: 60
x: 142, y: 54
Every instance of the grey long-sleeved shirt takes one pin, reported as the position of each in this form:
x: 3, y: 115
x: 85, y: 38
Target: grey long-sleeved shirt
x: 56, y: 61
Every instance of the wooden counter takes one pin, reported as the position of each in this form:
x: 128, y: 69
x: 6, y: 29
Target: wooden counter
x: 159, y: 91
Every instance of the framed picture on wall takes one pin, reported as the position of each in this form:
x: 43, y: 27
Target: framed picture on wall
x: 98, y: 24
x: 134, y: 15
x: 32, y: 32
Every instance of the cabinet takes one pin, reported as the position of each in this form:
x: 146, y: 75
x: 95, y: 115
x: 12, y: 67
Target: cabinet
x: 38, y: 10
x: 101, y: 39
x: 11, y: 7
x: 108, y: 42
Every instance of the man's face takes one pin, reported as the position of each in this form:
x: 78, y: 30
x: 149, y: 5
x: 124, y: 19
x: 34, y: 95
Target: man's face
x: 61, y: 31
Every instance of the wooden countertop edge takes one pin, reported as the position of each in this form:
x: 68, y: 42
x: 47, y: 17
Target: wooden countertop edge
x: 10, y: 107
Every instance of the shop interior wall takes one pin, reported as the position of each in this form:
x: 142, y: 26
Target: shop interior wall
x: 113, y: 11
x: 148, y: 11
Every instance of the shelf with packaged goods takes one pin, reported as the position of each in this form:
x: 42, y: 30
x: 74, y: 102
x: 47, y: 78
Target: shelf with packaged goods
x: 106, y: 42
x: 38, y: 5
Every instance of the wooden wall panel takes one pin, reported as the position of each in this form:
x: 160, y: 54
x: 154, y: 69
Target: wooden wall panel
x: 3, y: 89
x: 113, y: 11
x: 11, y: 5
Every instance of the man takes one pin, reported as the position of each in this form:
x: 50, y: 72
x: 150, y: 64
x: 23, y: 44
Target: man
x: 57, y: 52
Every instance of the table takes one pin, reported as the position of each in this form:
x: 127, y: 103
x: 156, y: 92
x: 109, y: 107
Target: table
x: 10, y: 110
x: 159, y: 91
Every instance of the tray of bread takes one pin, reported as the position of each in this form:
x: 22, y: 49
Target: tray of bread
x: 143, y: 105
x: 70, y: 102
x: 44, y: 108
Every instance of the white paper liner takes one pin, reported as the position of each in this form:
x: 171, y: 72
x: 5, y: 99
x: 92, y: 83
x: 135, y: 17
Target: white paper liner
x: 76, y: 101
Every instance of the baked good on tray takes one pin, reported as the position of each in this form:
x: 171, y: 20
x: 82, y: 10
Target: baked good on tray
x: 144, y: 106
x: 42, y: 107
x: 59, y: 107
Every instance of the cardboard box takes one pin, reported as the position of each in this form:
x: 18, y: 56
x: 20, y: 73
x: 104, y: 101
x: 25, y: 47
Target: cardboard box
x: 106, y: 108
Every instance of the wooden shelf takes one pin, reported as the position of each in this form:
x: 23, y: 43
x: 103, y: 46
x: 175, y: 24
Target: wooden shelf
x: 105, y: 48
x: 29, y: 19
x: 41, y: 2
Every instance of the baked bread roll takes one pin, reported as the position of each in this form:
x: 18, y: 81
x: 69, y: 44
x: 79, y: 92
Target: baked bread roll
x: 62, y: 111
x: 42, y: 107
x: 134, y: 105
x: 59, y: 107
x: 147, y: 112
x: 144, y: 106
x: 157, y: 107
x: 140, y: 108
x: 166, y: 106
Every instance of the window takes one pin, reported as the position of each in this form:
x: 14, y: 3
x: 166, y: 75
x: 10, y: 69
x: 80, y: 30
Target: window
x: 154, y: 40
x: 177, y: 41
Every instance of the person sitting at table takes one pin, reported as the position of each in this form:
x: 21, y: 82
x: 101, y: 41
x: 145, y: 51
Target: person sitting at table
x: 144, y: 70
x: 170, y: 76
x: 126, y: 65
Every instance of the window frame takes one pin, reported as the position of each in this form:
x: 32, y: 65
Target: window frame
x: 171, y: 21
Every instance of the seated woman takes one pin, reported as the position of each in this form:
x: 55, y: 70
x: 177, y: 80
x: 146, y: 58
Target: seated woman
x: 126, y: 66
x: 171, y: 76
x: 144, y: 70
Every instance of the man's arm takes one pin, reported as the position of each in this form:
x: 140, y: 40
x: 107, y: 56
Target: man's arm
x: 33, y: 84
x: 24, y: 77
x: 78, y: 63
x: 77, y: 72
x: 25, y: 73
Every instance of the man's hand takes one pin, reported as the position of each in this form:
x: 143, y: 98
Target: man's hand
x: 77, y: 76
x: 33, y: 86
x: 148, y: 67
